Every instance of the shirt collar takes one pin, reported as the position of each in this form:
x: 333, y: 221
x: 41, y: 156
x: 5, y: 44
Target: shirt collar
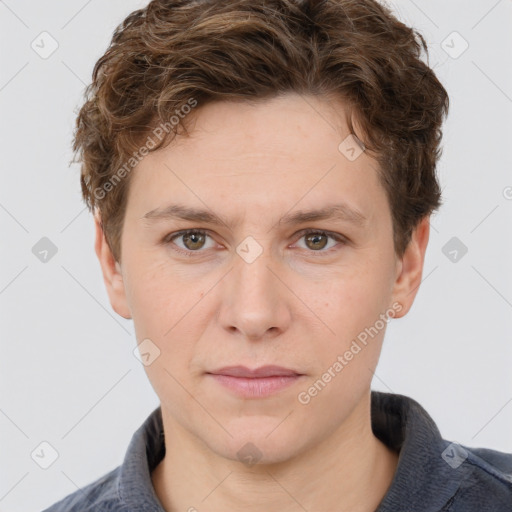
x: 145, y: 451
x: 398, y: 421
x: 423, y: 479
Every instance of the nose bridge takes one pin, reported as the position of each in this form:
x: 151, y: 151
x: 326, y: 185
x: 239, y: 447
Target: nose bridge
x: 254, y: 302
x: 251, y: 271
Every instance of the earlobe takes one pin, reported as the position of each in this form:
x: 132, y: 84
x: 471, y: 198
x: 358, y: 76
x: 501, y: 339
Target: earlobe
x: 410, y: 268
x: 112, y: 272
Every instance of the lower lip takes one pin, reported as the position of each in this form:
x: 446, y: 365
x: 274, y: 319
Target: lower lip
x: 259, y: 387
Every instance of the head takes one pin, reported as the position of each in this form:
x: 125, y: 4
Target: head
x: 258, y: 114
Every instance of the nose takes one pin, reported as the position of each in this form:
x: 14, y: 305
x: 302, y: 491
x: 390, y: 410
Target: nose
x: 255, y: 303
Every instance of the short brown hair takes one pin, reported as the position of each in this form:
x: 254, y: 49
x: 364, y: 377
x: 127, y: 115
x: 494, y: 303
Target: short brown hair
x: 173, y: 52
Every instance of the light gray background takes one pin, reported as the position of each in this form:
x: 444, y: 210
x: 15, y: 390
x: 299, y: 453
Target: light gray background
x: 68, y: 374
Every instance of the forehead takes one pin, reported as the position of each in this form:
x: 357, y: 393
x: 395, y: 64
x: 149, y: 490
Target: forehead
x: 282, y: 151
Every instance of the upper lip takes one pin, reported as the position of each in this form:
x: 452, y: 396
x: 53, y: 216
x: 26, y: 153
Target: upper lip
x: 262, y: 371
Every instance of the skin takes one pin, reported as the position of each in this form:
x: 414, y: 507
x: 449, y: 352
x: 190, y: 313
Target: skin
x: 297, y: 305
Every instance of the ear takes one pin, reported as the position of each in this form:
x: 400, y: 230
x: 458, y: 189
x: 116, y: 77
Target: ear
x: 111, y: 270
x: 410, y: 267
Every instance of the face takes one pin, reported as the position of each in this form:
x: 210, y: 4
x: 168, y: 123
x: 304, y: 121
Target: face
x: 256, y: 281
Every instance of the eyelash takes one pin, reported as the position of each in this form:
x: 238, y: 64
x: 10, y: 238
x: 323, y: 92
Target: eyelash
x: 169, y: 238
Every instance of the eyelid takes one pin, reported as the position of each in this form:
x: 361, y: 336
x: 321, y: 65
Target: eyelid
x: 168, y: 239
x: 337, y: 236
x: 341, y: 239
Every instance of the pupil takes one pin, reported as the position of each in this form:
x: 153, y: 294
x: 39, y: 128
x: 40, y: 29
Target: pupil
x: 316, y: 237
x: 194, y: 238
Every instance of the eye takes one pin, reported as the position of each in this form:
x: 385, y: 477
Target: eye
x: 192, y: 239
x: 316, y: 240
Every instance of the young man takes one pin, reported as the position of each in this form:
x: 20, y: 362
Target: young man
x: 262, y: 176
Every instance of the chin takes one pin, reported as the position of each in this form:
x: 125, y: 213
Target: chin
x: 257, y: 442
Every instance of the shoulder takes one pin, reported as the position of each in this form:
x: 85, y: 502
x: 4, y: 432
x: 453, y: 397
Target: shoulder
x: 128, y: 487
x: 434, y: 473
x: 102, y: 494
x: 486, y: 484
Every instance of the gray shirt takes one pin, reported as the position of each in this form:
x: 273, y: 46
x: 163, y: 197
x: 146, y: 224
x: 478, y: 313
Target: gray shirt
x: 433, y: 475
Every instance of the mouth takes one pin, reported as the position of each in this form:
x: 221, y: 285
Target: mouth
x: 255, y: 383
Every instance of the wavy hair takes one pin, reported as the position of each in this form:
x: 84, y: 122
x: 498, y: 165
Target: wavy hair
x: 162, y: 56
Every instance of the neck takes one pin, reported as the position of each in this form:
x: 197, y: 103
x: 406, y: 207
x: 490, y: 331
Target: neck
x: 351, y: 470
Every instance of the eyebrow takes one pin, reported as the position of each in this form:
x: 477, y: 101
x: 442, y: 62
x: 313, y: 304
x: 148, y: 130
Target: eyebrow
x: 340, y: 211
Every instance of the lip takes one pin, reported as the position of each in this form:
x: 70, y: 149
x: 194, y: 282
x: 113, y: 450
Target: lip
x: 262, y: 371
x: 255, y: 383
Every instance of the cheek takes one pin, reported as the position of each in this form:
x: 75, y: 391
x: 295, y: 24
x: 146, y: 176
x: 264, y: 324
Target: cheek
x: 352, y: 308
x: 167, y: 308
x: 355, y: 299
x: 154, y: 296
x: 162, y: 306
x: 345, y: 361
